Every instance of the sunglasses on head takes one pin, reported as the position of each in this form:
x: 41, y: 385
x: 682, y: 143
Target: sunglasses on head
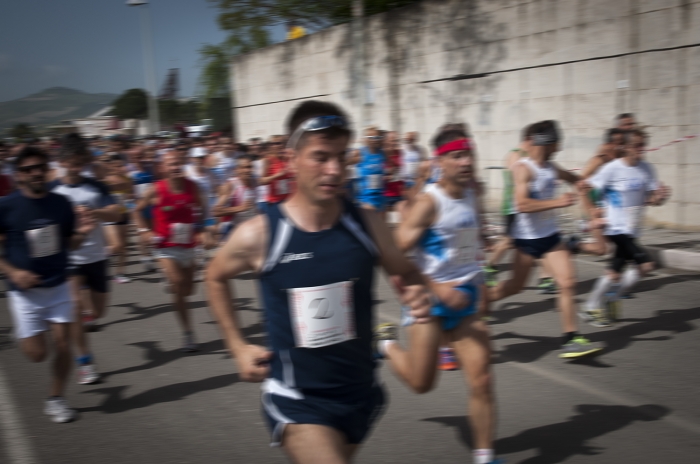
x: 316, y: 124
x: 43, y: 167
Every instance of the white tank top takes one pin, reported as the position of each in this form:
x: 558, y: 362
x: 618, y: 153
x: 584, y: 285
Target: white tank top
x: 451, y: 248
x: 410, y: 161
x: 262, y: 190
x: 542, y: 187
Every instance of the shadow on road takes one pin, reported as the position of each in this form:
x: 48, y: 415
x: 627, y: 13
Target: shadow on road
x: 114, y: 402
x: 560, y: 441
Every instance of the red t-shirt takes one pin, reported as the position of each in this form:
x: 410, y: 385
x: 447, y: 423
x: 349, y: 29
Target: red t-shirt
x: 5, y: 185
x: 393, y: 163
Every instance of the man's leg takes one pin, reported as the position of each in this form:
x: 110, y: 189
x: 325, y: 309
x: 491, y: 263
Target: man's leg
x: 34, y: 348
x: 316, y: 444
x: 561, y: 265
x: 77, y: 331
x: 522, y: 265
x: 62, y: 360
x: 417, y: 365
x: 503, y: 245
x: 471, y: 342
x: 177, y: 281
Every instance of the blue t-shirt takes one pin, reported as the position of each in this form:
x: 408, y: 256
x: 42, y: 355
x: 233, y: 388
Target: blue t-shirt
x: 37, y: 234
x: 370, y: 170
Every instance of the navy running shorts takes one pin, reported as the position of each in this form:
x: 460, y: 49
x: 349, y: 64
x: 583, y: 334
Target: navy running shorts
x: 353, y: 418
x: 537, y: 247
x: 94, y: 275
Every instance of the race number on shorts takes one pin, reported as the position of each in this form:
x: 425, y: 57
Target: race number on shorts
x: 467, y: 244
x: 181, y: 234
x: 322, y: 316
x: 375, y: 181
x: 43, y: 242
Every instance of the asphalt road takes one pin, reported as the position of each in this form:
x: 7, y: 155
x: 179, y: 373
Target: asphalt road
x: 636, y: 403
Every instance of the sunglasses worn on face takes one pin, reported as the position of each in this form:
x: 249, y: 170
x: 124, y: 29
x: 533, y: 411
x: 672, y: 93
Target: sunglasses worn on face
x: 43, y: 167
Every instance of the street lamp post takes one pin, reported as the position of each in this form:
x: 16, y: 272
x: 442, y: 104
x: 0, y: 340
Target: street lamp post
x: 149, y: 65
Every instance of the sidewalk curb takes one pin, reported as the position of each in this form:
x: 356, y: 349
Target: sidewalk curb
x: 676, y: 259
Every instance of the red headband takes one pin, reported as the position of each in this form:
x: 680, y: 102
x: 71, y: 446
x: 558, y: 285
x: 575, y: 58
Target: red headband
x: 455, y: 145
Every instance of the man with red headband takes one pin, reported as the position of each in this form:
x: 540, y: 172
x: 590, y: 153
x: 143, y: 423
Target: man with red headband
x: 442, y: 227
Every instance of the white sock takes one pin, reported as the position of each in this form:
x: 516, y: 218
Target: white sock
x: 483, y: 456
x: 629, y: 278
x: 601, y: 287
x: 383, y: 345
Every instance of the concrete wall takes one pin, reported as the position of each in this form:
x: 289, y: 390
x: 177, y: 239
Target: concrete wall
x: 438, y: 39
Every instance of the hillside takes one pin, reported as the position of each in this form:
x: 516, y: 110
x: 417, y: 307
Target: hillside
x: 51, y: 106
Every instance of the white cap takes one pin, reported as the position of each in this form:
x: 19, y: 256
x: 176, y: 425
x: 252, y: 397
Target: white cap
x: 198, y: 152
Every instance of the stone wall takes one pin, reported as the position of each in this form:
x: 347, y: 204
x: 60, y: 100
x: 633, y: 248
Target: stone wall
x: 439, y: 39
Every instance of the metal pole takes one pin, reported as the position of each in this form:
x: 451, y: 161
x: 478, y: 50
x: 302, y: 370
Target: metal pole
x: 149, y: 66
x: 358, y: 14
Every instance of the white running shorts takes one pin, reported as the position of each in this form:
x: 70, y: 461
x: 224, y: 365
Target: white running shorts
x: 33, y: 309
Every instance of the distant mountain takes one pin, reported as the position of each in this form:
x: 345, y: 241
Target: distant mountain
x: 52, y: 106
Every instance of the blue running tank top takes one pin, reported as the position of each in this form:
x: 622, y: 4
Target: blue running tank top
x: 370, y: 170
x: 317, y: 295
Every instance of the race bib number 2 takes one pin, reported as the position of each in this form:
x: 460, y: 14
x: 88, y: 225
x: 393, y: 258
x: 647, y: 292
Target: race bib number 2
x: 322, y: 316
x: 43, y: 242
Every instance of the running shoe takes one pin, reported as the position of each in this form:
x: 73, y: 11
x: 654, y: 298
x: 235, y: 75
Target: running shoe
x: 189, y: 345
x: 491, y: 276
x: 547, y: 286
x: 87, y: 374
x: 59, y: 411
x: 121, y: 279
x: 448, y: 361
x: 579, y: 347
x: 613, y: 309
x: 595, y: 317
x: 385, y: 331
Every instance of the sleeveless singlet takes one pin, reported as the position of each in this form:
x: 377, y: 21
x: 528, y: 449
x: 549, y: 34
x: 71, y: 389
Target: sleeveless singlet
x: 279, y: 188
x: 370, y: 171
x: 508, y: 205
x: 240, y: 194
x: 317, y: 293
x: 409, y: 164
x: 174, y: 215
x: 451, y: 248
x: 542, y: 187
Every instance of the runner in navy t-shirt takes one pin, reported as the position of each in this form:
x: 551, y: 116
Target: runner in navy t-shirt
x: 39, y: 229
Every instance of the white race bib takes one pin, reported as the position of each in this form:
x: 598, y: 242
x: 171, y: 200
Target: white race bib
x: 43, y: 242
x: 322, y: 316
x: 374, y: 181
x: 467, y: 244
x: 282, y: 187
x: 634, y: 217
x: 181, y: 234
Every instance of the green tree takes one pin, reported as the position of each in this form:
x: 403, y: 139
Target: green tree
x: 248, y: 24
x: 132, y: 104
x: 21, y: 130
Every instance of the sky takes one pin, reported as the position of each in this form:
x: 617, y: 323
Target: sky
x: 95, y: 45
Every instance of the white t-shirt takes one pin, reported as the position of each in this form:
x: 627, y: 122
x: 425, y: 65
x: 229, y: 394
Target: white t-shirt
x: 206, y: 183
x: 625, y: 189
x: 94, y: 195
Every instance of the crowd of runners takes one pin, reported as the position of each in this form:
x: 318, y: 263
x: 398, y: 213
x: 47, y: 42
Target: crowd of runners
x: 313, y: 217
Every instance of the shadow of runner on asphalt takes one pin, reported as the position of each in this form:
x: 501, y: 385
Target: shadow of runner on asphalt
x: 114, y: 402
x: 560, y: 441
x: 156, y: 357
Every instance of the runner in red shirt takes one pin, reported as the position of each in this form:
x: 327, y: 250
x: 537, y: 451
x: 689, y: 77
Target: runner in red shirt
x: 177, y: 218
x: 276, y: 170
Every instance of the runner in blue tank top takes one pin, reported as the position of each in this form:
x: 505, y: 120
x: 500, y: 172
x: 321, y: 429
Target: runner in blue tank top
x: 371, y: 172
x: 315, y: 254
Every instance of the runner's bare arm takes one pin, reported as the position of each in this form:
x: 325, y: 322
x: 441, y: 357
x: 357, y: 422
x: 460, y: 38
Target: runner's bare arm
x: 566, y: 176
x: 244, y: 251
x: 417, y: 218
x: 525, y: 204
x: 593, y: 165
x: 410, y: 283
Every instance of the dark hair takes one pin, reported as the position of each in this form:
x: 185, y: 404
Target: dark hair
x: 243, y: 148
x: 30, y: 152
x: 610, y: 133
x: 527, y: 132
x: 314, y: 108
x: 73, y: 146
x: 448, y: 135
x: 545, y: 133
x: 622, y: 116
